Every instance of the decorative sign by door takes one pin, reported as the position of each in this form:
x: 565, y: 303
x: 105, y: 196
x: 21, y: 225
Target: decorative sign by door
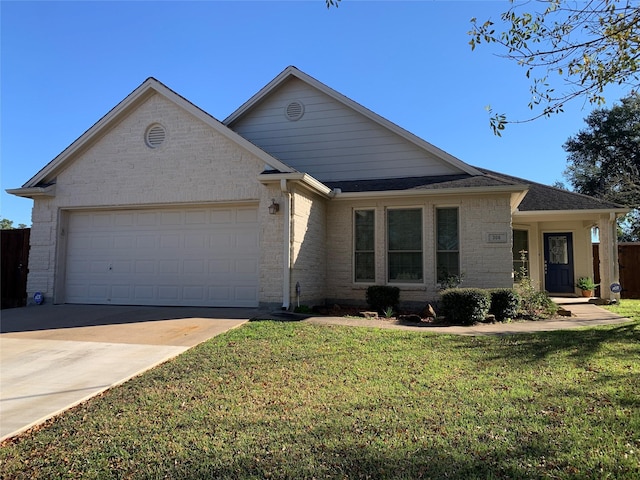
x: 38, y: 298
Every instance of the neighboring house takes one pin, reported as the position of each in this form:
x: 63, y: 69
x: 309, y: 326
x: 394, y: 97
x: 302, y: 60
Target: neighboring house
x: 300, y: 190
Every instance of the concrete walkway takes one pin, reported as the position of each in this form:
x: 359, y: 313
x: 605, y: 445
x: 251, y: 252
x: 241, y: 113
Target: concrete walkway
x: 584, y: 314
x: 53, y: 357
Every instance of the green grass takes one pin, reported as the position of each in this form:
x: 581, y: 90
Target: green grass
x: 293, y: 400
x: 626, y: 308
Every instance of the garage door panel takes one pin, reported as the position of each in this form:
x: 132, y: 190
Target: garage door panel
x: 219, y: 293
x: 195, y: 240
x: 145, y: 266
x: 145, y: 242
x: 173, y: 257
x: 191, y: 267
x: 221, y: 241
x: 171, y: 241
x: 196, y: 217
x: 121, y: 266
x: 146, y: 219
x: 219, y: 266
x: 169, y: 292
x: 247, y: 215
x: 222, y: 216
x: 123, y: 219
x: 171, y: 218
x: 169, y: 266
x: 123, y: 241
x: 98, y: 291
x: 247, y: 265
x: 120, y: 293
x: 248, y: 241
x: 245, y: 294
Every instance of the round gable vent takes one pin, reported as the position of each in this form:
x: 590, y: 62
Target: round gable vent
x: 294, y: 110
x: 155, y: 136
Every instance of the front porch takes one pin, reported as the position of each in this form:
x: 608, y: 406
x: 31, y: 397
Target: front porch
x: 559, y: 251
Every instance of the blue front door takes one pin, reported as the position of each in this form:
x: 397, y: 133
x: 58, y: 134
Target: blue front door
x: 558, y: 263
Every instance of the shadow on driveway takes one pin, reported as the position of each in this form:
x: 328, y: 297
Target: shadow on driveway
x: 50, y: 317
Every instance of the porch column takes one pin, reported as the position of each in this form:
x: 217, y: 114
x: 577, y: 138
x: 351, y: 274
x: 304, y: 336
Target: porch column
x: 608, y: 249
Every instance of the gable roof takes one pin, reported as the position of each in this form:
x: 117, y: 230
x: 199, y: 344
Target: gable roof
x: 149, y: 87
x: 293, y: 72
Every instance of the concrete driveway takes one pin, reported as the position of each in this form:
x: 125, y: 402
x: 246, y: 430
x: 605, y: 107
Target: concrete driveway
x: 53, y: 357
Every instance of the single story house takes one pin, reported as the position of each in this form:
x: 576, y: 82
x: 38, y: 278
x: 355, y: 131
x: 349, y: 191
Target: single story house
x: 300, y: 195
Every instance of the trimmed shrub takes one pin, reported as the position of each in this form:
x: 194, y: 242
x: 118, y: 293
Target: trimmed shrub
x: 380, y: 297
x: 465, y: 306
x: 504, y: 303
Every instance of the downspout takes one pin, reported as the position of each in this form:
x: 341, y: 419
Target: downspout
x: 286, y: 277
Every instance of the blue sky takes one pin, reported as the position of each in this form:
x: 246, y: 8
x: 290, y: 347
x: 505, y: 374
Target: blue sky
x: 66, y: 64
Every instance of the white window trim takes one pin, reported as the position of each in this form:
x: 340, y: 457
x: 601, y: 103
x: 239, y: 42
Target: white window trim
x: 435, y: 239
x: 528, y: 230
x: 353, y: 247
x: 387, y: 281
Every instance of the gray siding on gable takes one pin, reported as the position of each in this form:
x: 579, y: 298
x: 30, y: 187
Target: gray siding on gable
x: 331, y: 141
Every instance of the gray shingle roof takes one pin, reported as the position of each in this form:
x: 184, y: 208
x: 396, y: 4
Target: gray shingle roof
x: 539, y: 198
x: 418, y: 183
x: 546, y: 198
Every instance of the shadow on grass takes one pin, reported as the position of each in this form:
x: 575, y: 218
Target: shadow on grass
x: 531, y: 458
x: 579, y: 344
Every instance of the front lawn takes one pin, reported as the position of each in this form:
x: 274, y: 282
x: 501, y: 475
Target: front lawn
x: 626, y: 308
x: 294, y: 400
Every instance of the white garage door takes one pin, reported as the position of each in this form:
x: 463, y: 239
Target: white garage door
x: 194, y: 257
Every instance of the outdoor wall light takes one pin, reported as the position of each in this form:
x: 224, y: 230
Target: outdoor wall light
x: 274, y: 207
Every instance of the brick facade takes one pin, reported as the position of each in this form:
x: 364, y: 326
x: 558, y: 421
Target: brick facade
x: 194, y: 166
x: 202, y: 162
x: 309, y: 253
x: 483, y: 264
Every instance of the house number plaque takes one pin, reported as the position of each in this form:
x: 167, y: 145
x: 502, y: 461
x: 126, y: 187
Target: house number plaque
x: 500, y: 237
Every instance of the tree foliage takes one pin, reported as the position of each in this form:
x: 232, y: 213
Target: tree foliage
x: 586, y: 44
x: 6, y: 224
x: 604, y: 159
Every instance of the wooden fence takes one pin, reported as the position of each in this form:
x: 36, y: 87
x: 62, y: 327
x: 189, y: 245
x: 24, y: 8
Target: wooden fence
x: 629, y: 262
x: 14, y: 262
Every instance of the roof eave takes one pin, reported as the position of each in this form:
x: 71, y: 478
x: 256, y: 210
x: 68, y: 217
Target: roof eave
x: 32, y: 192
x: 511, y: 189
x: 297, y: 177
x: 575, y: 213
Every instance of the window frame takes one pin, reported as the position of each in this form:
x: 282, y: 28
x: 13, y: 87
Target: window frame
x: 527, y: 261
x: 388, y: 251
x: 355, y: 246
x: 438, y: 251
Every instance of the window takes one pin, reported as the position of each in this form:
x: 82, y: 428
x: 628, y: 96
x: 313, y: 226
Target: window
x: 447, y: 245
x: 520, y: 254
x: 364, y: 254
x: 558, y: 250
x: 404, y: 230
